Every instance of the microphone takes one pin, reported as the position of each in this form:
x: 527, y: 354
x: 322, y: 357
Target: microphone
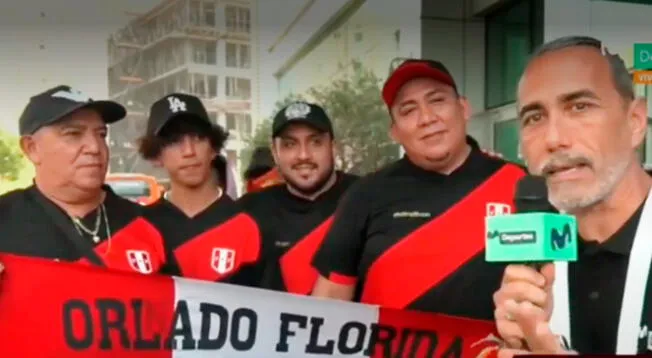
x: 536, y: 233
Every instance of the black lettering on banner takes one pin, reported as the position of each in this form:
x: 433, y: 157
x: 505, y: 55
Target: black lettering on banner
x: 345, y: 334
x: 113, y: 316
x: 313, y: 346
x: 454, y: 350
x: 205, y: 342
x: 140, y: 342
x: 181, y: 315
x: 250, y: 340
x: 380, y: 335
x: 80, y: 307
x: 286, y: 332
x: 417, y: 339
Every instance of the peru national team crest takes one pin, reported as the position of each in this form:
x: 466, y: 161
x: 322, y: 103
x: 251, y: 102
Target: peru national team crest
x: 140, y: 261
x: 495, y: 209
x: 223, y: 260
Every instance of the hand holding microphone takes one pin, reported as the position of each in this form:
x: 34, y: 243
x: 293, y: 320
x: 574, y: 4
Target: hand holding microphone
x: 531, y: 240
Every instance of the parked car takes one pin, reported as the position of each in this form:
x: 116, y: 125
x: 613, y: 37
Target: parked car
x: 140, y: 188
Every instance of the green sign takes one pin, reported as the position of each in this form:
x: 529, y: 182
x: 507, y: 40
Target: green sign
x: 643, y: 56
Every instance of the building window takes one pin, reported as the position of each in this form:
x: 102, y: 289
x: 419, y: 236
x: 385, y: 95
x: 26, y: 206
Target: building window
x: 506, y: 140
x: 238, y: 88
x: 239, y: 122
x: 209, y: 14
x: 238, y: 19
x: 204, y: 52
x: 512, y: 33
x: 238, y: 55
x: 204, y: 86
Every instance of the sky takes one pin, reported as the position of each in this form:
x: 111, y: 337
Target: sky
x: 44, y: 43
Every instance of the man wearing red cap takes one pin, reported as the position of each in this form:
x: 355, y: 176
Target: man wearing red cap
x: 411, y: 236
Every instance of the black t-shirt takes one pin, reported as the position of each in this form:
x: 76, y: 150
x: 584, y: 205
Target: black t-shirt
x: 217, y: 244
x: 32, y: 225
x: 596, y: 285
x: 414, y: 239
x: 292, y: 229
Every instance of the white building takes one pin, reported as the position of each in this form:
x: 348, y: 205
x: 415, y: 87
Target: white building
x: 484, y: 43
x: 207, y: 48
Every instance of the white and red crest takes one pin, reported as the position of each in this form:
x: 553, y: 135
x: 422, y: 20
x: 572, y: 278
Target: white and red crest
x: 223, y: 260
x: 140, y: 261
x: 495, y: 209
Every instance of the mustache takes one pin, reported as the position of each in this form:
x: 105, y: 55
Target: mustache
x: 562, y: 161
x: 301, y: 164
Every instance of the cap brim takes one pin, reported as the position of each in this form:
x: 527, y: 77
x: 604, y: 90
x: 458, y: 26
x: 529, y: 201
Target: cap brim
x: 110, y: 112
x: 166, y: 121
x: 408, y: 72
x: 318, y: 126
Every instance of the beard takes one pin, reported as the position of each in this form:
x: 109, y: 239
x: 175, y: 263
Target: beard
x: 570, y: 197
x: 318, y: 185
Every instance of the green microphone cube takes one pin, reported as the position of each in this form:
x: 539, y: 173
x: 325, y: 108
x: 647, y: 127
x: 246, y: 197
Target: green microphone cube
x: 531, y: 237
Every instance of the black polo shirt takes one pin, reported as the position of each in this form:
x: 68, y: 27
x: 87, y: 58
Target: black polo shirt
x: 414, y: 239
x: 32, y: 225
x: 596, y: 285
x: 292, y: 228
x: 217, y: 244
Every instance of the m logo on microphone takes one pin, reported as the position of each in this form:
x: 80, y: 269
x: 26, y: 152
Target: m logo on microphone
x: 559, y: 240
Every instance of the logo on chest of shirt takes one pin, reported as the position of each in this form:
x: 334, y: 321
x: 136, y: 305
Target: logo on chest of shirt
x: 223, y: 260
x: 140, y: 261
x: 495, y: 209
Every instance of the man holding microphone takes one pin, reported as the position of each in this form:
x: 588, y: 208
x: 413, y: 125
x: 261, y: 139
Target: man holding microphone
x: 581, y: 126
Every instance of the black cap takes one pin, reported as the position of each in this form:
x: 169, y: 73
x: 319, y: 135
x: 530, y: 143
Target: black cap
x: 302, y: 112
x: 174, y: 105
x: 54, y: 104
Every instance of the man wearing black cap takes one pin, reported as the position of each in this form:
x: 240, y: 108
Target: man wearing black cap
x: 68, y: 214
x: 205, y: 236
x: 293, y: 218
x: 411, y: 236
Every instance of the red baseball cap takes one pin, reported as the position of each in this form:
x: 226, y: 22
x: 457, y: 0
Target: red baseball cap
x: 411, y: 69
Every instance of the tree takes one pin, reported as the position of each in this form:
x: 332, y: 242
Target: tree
x: 11, y: 159
x: 359, y: 117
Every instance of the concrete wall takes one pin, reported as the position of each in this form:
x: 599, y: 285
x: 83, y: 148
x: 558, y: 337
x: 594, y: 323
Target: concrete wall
x: 369, y: 35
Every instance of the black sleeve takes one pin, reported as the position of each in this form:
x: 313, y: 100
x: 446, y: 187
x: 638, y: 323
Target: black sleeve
x: 338, y: 257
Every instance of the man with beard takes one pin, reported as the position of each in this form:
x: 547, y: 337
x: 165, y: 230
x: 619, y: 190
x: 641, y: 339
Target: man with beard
x: 581, y: 126
x: 205, y: 236
x: 68, y: 214
x: 411, y: 236
x: 293, y: 217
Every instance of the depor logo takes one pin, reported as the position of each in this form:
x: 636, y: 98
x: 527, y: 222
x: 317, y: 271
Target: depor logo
x: 514, y: 237
x: 559, y: 240
x: 643, y: 63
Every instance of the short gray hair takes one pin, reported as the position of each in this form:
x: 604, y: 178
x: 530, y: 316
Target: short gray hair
x: 619, y: 73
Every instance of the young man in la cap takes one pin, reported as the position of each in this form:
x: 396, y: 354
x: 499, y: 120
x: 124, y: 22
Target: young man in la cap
x: 293, y: 217
x: 411, y: 236
x: 205, y: 236
x: 68, y: 214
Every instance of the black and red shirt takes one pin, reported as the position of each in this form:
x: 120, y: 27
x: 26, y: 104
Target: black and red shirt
x: 292, y: 228
x: 413, y: 239
x: 218, y: 244
x: 32, y: 225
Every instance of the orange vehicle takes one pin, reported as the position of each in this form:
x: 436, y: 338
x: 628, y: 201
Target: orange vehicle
x: 141, y: 188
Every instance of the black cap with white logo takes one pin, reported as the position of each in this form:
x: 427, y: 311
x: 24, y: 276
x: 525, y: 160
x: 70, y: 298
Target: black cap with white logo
x: 172, y: 106
x: 56, y: 103
x: 302, y: 112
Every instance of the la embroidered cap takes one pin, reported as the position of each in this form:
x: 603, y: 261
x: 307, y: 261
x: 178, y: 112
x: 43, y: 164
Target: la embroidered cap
x: 172, y: 106
x: 411, y: 69
x: 301, y: 112
x: 55, y: 104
